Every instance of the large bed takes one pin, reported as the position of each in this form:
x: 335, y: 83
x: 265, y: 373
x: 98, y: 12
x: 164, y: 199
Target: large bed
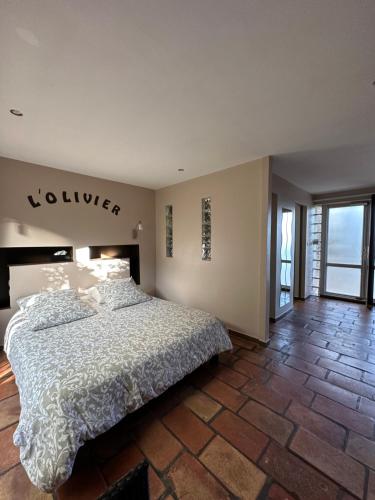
x: 77, y: 380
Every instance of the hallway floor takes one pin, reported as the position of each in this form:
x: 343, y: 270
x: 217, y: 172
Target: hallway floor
x: 291, y: 420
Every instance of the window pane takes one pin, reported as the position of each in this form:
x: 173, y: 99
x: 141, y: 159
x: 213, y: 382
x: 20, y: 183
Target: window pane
x: 286, y: 234
x: 169, y: 231
x: 344, y: 281
x: 206, y: 229
x: 286, y: 270
x: 345, y: 232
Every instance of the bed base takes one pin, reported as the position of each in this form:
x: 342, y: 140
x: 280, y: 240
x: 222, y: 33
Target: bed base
x: 214, y: 361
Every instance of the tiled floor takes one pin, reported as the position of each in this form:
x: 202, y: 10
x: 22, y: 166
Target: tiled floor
x: 295, y: 419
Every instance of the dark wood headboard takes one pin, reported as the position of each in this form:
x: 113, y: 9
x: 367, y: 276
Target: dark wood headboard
x: 11, y: 256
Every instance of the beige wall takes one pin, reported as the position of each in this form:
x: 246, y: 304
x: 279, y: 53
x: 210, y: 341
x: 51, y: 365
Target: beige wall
x: 76, y: 224
x: 234, y: 285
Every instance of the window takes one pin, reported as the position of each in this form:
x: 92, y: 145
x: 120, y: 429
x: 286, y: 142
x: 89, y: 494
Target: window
x: 344, y: 263
x: 316, y: 237
x: 169, y: 231
x: 206, y: 228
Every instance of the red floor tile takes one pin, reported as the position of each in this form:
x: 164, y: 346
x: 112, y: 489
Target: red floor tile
x: 333, y: 433
x: 276, y: 492
x: 122, y: 463
x: 15, y: 485
x: 9, y: 454
x: 371, y: 486
x: 338, y: 367
x: 243, y: 436
x: 352, y: 385
x: 263, y: 394
x: 192, y: 481
x: 296, y: 476
x: 202, y: 405
x: 229, y: 376
x: 224, y: 394
x: 330, y: 461
x: 270, y: 353
x: 267, y: 421
x: 253, y: 357
x: 250, y: 370
x: 189, y: 429
x: 362, y: 365
x: 306, y: 367
x: 349, y: 418
x: 296, y: 376
x: 321, y: 355
x: 157, y: 443
x: 338, y: 394
x: 8, y: 389
x: 367, y: 407
x: 234, y: 470
x: 369, y: 378
x: 156, y: 486
x: 290, y: 390
x: 9, y: 411
x: 303, y: 352
x: 361, y: 449
x: 85, y: 484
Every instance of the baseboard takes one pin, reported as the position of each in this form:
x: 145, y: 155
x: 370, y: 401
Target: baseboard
x: 275, y: 320
x: 302, y: 299
x: 343, y: 299
x: 248, y: 337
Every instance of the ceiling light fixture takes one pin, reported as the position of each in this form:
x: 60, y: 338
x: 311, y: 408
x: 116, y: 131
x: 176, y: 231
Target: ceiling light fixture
x: 16, y: 112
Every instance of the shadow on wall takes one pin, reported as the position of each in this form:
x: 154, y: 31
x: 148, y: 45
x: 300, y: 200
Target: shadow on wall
x: 30, y: 279
x: 24, y: 234
x: 83, y: 274
x: 98, y: 270
x: 56, y: 278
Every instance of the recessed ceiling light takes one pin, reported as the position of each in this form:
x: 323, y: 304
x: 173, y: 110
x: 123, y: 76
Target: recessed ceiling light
x: 16, y: 112
x: 181, y: 170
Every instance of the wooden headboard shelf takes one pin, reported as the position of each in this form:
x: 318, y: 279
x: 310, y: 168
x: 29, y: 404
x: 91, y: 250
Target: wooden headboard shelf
x: 130, y: 252
x: 12, y: 256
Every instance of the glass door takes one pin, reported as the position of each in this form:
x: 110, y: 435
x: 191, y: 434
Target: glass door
x: 345, y: 251
x: 286, y: 291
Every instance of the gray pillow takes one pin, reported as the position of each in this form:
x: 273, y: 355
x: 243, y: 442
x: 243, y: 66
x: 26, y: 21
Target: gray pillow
x: 121, y: 293
x: 101, y: 290
x: 25, y: 302
x: 51, y: 309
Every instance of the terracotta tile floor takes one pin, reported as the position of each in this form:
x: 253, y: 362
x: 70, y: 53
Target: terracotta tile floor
x: 292, y: 420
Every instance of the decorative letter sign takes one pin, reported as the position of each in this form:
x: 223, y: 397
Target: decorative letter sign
x: 51, y: 198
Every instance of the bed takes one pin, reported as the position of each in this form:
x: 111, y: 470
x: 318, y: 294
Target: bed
x: 79, y: 379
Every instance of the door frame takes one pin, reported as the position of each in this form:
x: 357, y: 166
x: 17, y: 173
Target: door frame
x: 300, y: 247
x: 364, y: 266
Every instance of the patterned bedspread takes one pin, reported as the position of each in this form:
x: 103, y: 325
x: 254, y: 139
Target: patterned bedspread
x: 79, y: 379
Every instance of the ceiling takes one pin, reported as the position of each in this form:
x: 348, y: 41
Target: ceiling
x: 330, y: 170
x: 132, y: 90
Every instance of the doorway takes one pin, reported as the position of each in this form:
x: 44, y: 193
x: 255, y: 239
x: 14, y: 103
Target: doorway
x: 344, y: 271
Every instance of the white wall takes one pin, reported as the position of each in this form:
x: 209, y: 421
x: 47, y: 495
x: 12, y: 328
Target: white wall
x: 234, y: 284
